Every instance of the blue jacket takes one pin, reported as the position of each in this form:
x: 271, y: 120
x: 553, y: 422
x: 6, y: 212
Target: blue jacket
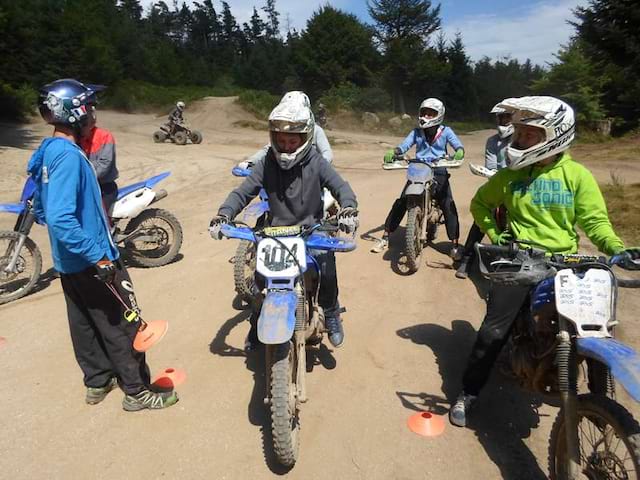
x: 67, y: 198
x: 428, y: 153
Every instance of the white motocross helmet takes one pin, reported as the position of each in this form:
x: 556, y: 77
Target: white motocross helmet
x: 433, y: 104
x: 296, y: 96
x: 503, y: 130
x: 291, y: 117
x: 551, y: 115
x: 180, y: 105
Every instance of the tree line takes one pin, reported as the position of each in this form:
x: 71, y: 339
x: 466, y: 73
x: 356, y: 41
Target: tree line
x: 390, y: 64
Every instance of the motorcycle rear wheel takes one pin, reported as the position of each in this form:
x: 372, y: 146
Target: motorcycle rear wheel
x: 415, y: 217
x: 167, y: 233
x: 285, y: 421
x: 29, y: 266
x: 602, y: 424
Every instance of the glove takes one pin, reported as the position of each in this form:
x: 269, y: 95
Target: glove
x: 502, y: 238
x: 215, y: 227
x: 459, y: 155
x: 348, y: 220
x: 105, y: 271
x: 629, y: 259
x: 388, y: 156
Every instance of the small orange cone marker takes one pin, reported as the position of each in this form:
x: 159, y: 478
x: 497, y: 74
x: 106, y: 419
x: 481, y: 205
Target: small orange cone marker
x: 170, y: 378
x: 149, y: 333
x: 426, y: 424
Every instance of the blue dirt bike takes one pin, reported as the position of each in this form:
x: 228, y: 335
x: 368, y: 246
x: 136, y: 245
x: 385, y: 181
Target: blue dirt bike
x: 568, y: 325
x: 290, y: 317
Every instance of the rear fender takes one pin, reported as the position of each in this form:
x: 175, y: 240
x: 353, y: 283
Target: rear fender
x: 622, y: 360
x: 131, y: 205
x: 277, y: 317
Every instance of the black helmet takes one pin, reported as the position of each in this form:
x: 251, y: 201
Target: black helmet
x: 65, y: 102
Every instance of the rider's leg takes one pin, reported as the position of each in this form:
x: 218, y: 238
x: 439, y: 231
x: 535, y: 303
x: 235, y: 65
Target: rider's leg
x: 475, y: 235
x: 503, y: 305
x: 328, y: 296
x: 444, y: 197
x: 392, y: 222
x: 109, y: 196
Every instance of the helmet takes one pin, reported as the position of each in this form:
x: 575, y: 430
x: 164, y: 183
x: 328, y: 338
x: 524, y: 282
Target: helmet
x: 296, y: 96
x: 552, y: 116
x: 291, y: 117
x: 503, y: 130
x: 433, y: 104
x: 180, y: 105
x: 64, y: 102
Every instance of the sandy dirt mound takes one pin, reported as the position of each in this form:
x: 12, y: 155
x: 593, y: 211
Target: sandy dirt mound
x: 407, y: 339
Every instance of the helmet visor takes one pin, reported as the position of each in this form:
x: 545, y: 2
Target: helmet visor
x: 288, y: 126
x: 526, y: 137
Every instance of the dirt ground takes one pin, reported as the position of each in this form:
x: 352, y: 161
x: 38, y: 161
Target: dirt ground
x: 407, y: 340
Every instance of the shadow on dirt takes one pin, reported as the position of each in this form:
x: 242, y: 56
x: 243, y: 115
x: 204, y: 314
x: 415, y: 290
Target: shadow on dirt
x: 504, y: 414
x: 16, y: 135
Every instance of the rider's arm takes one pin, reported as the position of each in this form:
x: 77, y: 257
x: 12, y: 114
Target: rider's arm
x: 242, y: 196
x: 488, y: 197
x: 104, y: 159
x: 338, y: 187
x: 259, y: 156
x: 408, y: 142
x: 62, y: 203
x: 491, y: 154
x: 322, y: 143
x: 453, y: 140
x: 591, y: 214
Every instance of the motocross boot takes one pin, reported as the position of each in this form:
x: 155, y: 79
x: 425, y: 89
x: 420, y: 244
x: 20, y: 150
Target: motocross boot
x: 335, y: 329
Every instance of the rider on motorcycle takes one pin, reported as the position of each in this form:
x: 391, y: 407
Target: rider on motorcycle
x: 293, y: 175
x: 175, y: 117
x: 431, y: 139
x: 495, y: 158
x: 546, y: 194
x: 100, y: 147
x: 319, y: 141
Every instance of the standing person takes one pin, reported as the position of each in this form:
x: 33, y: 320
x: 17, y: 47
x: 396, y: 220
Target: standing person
x: 431, y: 139
x: 495, y: 158
x: 68, y: 199
x: 546, y: 195
x: 100, y: 147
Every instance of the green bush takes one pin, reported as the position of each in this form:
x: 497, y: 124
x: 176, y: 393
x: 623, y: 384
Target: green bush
x: 131, y: 95
x: 258, y: 102
x: 17, y: 103
x: 349, y: 97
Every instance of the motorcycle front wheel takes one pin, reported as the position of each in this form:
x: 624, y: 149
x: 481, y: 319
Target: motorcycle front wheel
x: 285, y: 420
x: 609, y: 440
x: 17, y: 284
x: 415, y: 217
x: 156, y: 238
x: 244, y: 267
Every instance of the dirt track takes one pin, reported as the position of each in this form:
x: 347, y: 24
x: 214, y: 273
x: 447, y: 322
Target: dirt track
x: 407, y: 339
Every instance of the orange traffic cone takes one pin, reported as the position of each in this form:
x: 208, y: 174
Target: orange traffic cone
x: 170, y: 378
x: 426, y: 424
x: 149, y: 333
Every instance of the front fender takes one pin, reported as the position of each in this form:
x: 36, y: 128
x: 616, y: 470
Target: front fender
x: 622, y: 360
x: 16, y: 208
x: 277, y: 317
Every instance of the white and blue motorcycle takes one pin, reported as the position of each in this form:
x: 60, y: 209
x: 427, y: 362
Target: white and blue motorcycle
x: 152, y: 237
x: 290, y: 317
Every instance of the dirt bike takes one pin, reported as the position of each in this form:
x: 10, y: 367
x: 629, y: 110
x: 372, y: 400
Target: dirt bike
x: 290, y: 318
x: 178, y: 133
x: 152, y: 237
x: 569, y: 324
x: 423, y: 212
x: 244, y: 260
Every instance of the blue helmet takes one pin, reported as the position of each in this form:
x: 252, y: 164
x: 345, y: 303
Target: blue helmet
x: 66, y: 102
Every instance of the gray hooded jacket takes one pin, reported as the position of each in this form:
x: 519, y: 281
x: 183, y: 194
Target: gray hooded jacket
x: 295, y: 195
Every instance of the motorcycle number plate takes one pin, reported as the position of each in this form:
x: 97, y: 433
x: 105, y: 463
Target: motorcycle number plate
x: 588, y: 302
x: 281, y: 257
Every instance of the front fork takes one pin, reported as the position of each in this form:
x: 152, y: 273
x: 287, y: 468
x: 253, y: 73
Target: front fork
x: 567, y: 383
x: 23, y: 228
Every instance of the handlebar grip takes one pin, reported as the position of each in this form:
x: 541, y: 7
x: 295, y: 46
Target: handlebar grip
x: 628, y: 283
x: 510, y: 249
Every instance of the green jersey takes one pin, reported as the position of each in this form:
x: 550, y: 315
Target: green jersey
x: 545, y: 203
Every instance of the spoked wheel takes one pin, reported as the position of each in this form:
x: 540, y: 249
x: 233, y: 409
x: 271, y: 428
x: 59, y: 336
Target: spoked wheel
x: 244, y: 267
x: 609, y: 441
x: 285, y: 421
x: 157, y: 238
x: 415, y: 217
x: 21, y: 280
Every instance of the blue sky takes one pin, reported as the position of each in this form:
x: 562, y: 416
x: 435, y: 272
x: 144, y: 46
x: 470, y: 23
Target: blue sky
x: 534, y: 29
